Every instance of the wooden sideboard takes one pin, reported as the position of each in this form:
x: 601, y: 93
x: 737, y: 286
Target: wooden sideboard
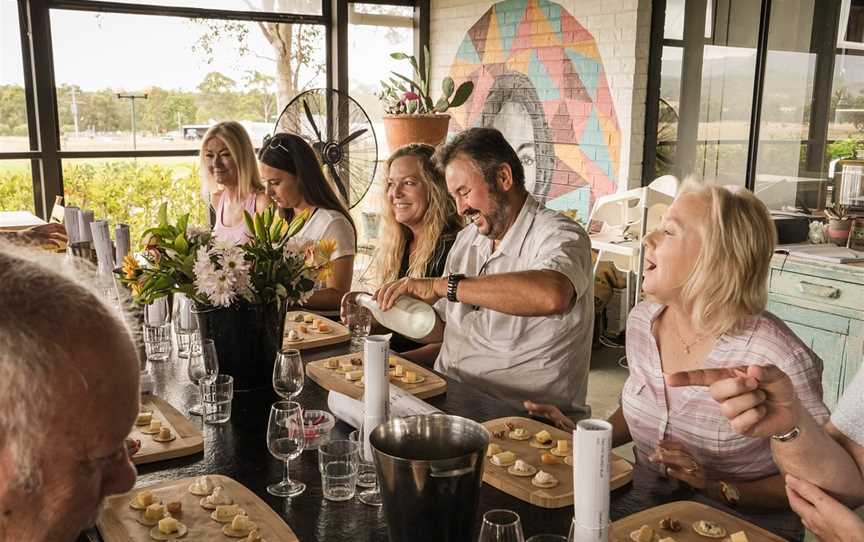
x: 823, y: 304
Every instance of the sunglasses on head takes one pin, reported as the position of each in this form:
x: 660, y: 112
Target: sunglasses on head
x: 271, y: 142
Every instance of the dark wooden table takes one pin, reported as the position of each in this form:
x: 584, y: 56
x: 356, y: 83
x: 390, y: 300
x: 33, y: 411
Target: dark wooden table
x: 238, y: 449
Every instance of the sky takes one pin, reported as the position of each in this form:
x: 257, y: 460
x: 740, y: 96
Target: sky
x: 132, y: 52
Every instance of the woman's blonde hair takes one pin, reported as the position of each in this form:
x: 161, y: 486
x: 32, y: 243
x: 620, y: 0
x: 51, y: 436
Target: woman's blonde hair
x: 730, y: 279
x: 440, y: 217
x: 235, y: 137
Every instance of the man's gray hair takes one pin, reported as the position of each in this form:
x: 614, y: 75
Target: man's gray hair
x: 45, y: 299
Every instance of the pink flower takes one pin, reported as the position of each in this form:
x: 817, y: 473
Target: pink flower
x: 408, y: 96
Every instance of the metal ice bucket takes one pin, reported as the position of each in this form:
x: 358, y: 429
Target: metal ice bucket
x: 430, y: 469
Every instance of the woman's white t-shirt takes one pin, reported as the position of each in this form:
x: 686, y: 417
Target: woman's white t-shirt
x: 329, y: 224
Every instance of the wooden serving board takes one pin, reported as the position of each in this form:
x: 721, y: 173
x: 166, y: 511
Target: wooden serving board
x: 330, y: 379
x: 521, y: 487
x: 189, y: 438
x: 313, y: 339
x: 118, y: 522
x: 688, y: 512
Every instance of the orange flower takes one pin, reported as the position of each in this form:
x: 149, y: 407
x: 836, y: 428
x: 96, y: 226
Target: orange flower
x: 130, y: 266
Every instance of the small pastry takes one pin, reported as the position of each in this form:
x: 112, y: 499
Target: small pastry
x: 168, y: 529
x: 356, y: 362
x: 153, y: 428
x: 504, y: 459
x: 392, y: 361
x: 201, y: 486
x: 308, y: 318
x: 323, y: 327
x: 174, y: 507
x: 331, y: 363
x: 709, y: 529
x: 315, y: 323
x: 542, y: 440
x: 670, y: 524
x: 740, y: 536
x: 568, y: 460
x: 345, y: 365
x: 398, y: 371
x: 143, y: 418
x: 254, y: 536
x: 354, y: 375
x: 643, y: 534
x: 562, y: 448
x: 493, y: 449
x: 216, y: 499
x: 165, y: 435
x: 239, y: 527
x: 302, y: 329
x: 519, y: 433
x: 360, y: 383
x: 670, y: 539
x: 548, y: 459
x: 293, y: 336
x: 412, y: 377
x: 298, y: 317
x: 521, y: 468
x: 544, y: 479
x: 142, y: 500
x: 152, y: 514
x: 225, y: 513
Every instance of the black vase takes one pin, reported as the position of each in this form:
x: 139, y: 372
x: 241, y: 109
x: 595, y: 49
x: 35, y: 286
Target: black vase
x: 247, y: 337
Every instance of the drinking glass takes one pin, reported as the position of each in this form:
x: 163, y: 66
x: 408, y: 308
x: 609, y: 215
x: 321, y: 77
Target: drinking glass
x: 157, y: 341
x: 338, y: 462
x: 288, y: 374
x: 501, y: 526
x: 203, y: 364
x: 185, y: 324
x: 217, y: 393
x: 286, y: 440
x: 359, y: 323
x: 366, y: 476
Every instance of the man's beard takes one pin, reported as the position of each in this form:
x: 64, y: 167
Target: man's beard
x: 497, y: 220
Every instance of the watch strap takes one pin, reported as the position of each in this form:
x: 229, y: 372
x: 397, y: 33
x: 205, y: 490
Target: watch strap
x: 452, y: 284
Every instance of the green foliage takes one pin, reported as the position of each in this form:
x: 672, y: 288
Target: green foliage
x: 845, y: 148
x: 405, y: 96
x: 119, y: 191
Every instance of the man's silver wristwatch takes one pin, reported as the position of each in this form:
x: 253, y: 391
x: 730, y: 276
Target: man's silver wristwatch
x: 786, y: 437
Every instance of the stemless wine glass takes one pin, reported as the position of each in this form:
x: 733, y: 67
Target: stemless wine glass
x: 501, y: 526
x: 203, y: 363
x: 288, y: 374
x: 286, y: 440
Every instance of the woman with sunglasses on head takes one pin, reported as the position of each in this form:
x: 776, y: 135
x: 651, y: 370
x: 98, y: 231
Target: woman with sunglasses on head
x: 294, y: 180
x: 229, y: 179
x: 420, y: 224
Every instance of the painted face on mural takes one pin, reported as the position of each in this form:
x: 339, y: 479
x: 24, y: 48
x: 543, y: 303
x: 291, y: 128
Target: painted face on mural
x: 483, y: 205
x: 514, y: 121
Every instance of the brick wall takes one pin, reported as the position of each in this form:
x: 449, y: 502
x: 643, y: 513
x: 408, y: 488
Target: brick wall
x: 564, y: 81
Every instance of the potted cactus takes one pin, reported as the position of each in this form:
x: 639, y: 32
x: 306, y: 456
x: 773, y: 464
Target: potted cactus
x: 412, y: 116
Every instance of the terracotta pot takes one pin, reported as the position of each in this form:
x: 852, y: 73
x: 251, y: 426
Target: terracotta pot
x: 838, y: 231
x: 403, y: 129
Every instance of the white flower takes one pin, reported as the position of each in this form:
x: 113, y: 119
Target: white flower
x: 222, y: 245
x: 203, y: 265
x: 218, y: 286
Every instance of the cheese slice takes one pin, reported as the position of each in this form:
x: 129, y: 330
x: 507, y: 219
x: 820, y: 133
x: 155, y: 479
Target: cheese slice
x: 410, y: 376
x: 155, y: 425
x: 227, y: 511
x: 398, y: 370
x: 144, y: 498
x: 504, y: 458
x: 740, y: 536
x: 354, y: 375
x: 543, y: 437
x: 563, y: 446
x: 493, y: 449
x: 168, y: 525
x: 240, y: 523
x: 154, y: 511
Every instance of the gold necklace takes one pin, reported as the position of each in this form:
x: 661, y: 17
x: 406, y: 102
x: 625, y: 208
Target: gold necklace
x: 687, y: 346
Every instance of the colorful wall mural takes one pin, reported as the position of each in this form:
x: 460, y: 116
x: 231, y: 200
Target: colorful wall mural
x: 539, y: 79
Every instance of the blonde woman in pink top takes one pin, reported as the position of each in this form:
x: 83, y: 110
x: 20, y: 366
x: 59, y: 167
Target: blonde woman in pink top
x: 230, y: 180
x: 706, y: 275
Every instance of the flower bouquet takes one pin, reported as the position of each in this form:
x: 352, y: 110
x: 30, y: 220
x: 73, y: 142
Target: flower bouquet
x: 240, y: 292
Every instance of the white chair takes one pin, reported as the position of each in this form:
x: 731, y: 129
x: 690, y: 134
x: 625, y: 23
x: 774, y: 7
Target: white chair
x: 626, y: 217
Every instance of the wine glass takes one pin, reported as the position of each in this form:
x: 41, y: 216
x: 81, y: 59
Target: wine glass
x: 203, y: 363
x: 286, y: 440
x: 501, y: 526
x: 288, y: 374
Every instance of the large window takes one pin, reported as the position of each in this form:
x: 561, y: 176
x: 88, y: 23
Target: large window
x: 745, y: 96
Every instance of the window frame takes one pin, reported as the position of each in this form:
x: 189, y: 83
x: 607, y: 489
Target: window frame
x: 45, y: 154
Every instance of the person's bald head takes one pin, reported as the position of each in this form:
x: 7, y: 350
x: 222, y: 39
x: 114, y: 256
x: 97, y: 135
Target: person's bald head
x: 68, y: 394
